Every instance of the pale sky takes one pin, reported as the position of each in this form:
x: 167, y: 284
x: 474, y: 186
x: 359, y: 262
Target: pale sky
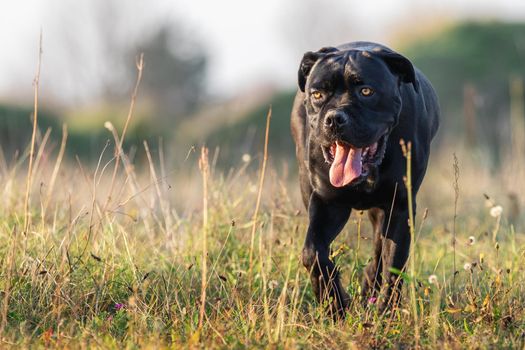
x: 249, y: 42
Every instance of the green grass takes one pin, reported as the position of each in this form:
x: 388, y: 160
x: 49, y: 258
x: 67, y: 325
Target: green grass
x: 128, y: 274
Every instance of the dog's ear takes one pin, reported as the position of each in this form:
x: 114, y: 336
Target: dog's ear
x: 308, y: 62
x: 400, y: 65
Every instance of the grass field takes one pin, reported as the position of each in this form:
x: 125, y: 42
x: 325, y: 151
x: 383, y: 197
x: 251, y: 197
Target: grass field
x: 113, y: 262
x: 182, y: 254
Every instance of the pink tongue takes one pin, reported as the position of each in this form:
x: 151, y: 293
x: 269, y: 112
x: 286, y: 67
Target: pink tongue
x: 346, y: 165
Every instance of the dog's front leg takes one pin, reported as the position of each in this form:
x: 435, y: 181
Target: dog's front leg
x: 395, y: 250
x: 327, y: 219
x: 372, y: 274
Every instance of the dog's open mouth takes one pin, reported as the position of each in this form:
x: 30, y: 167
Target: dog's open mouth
x: 349, y: 164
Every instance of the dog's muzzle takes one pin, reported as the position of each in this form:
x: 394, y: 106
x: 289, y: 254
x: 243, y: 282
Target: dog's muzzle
x: 351, y: 165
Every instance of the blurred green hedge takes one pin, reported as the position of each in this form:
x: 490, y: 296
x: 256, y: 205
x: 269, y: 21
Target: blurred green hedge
x: 86, y: 142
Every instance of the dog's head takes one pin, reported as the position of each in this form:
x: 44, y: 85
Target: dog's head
x: 353, y: 101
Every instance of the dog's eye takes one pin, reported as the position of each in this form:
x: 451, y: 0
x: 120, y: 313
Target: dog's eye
x: 317, y: 95
x: 366, y: 91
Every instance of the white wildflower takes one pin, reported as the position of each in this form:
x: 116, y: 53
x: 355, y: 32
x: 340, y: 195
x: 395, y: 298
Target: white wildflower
x: 432, y: 279
x: 246, y: 157
x: 471, y: 240
x: 467, y: 266
x: 496, y: 211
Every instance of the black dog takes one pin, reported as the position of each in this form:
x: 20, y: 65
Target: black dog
x: 356, y: 102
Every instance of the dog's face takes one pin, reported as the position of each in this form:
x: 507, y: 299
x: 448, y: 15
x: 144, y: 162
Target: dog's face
x: 353, y: 101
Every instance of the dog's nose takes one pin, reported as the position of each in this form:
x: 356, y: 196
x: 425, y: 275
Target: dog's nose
x: 336, y: 120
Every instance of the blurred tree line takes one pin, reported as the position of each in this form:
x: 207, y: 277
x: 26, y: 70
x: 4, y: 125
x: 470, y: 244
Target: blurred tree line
x: 95, y: 68
x: 173, y: 78
x: 470, y: 64
x: 100, y: 41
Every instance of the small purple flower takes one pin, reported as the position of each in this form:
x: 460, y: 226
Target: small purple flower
x: 119, y: 306
x: 372, y: 300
